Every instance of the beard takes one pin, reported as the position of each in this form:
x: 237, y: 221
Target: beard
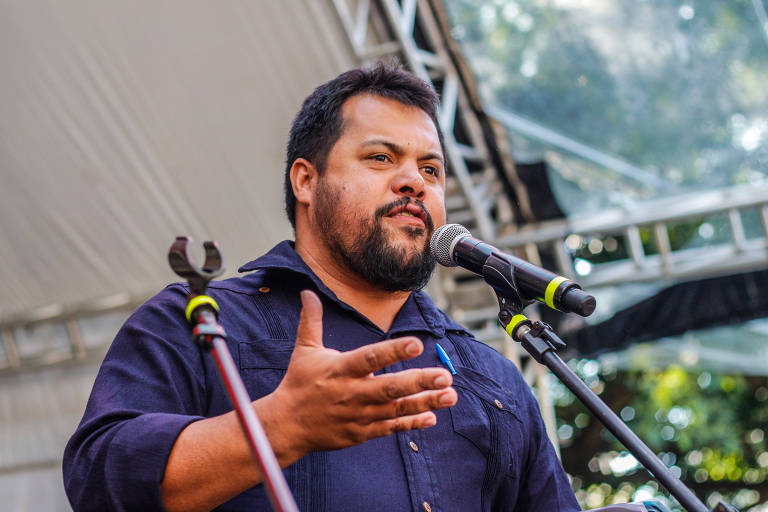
x: 370, y: 254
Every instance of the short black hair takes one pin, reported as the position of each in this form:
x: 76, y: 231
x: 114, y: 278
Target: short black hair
x: 319, y: 123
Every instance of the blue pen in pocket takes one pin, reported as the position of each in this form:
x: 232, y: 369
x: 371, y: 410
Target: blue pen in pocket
x: 445, y: 359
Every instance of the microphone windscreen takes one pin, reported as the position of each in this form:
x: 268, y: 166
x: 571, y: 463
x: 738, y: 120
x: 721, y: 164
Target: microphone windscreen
x: 443, y: 240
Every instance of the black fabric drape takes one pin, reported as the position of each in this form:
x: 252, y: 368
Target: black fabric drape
x: 691, y: 305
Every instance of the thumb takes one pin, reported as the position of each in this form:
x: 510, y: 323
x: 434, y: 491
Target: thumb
x: 310, y: 331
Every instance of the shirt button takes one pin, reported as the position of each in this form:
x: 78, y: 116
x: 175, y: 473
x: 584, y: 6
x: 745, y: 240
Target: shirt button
x: 414, y: 446
x: 426, y: 506
x: 264, y: 289
x: 498, y: 404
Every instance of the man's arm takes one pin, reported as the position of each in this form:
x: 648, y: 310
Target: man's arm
x: 151, y: 385
x: 327, y: 400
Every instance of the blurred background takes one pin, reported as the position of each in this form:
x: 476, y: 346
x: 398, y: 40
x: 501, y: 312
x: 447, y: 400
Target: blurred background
x: 620, y: 143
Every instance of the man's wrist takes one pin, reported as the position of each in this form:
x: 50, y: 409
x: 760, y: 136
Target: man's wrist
x: 281, y: 430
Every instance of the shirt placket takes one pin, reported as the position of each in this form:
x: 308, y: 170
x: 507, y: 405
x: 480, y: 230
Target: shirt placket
x: 419, y: 469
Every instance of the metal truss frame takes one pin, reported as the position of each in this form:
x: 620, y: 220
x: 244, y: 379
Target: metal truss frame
x: 409, y: 30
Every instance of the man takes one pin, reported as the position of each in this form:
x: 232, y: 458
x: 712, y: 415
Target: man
x: 336, y: 345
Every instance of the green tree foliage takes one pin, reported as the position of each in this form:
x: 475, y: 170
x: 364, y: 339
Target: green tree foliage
x: 711, y: 430
x: 677, y: 88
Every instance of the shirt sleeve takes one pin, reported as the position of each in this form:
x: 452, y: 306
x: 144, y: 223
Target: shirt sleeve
x: 150, y: 386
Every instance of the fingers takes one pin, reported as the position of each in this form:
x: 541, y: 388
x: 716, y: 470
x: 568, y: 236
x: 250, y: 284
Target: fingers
x: 391, y: 386
x: 401, y: 424
x: 405, y: 393
x: 370, y: 358
x: 310, y: 331
x: 408, y: 406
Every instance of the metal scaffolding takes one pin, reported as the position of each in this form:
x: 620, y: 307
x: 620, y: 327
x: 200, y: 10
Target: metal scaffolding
x: 475, y: 196
x: 409, y: 31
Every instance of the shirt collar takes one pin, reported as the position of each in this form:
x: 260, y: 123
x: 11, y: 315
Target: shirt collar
x: 418, y: 313
x: 284, y: 257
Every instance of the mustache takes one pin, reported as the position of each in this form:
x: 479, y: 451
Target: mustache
x: 404, y: 201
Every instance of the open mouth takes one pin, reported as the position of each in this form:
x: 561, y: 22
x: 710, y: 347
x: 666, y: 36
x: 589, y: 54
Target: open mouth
x: 409, y: 213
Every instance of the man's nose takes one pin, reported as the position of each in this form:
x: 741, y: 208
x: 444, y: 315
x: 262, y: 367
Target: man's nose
x: 409, y: 181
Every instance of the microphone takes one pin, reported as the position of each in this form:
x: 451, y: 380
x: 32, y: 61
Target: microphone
x: 453, y: 245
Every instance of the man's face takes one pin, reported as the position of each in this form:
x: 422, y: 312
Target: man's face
x: 382, y: 193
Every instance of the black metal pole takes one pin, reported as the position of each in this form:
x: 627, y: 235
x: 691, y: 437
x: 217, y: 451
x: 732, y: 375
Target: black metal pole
x: 538, y: 339
x: 202, y: 313
x: 634, y: 444
x: 277, y: 488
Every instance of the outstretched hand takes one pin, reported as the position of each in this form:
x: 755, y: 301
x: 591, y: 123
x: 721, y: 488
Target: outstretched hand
x: 330, y: 399
x: 327, y: 400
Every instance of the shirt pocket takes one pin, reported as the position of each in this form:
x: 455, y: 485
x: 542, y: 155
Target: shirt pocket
x: 263, y: 364
x: 487, y: 416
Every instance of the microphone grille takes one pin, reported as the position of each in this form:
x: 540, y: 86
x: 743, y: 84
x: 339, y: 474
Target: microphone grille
x: 442, y: 242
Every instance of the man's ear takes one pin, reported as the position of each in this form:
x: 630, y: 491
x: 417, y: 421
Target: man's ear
x: 303, y: 180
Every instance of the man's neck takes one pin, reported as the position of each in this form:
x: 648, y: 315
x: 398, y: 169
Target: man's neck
x: 379, y: 306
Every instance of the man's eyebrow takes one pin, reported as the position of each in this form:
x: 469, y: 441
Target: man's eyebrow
x: 399, y: 150
x: 432, y: 156
x: 395, y: 148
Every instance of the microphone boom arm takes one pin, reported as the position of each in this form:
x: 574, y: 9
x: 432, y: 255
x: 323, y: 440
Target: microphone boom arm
x: 541, y: 342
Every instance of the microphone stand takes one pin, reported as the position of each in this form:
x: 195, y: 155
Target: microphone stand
x: 538, y: 339
x: 202, y: 312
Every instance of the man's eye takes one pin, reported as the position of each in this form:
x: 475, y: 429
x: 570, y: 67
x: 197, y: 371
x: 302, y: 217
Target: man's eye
x: 434, y: 171
x: 380, y: 158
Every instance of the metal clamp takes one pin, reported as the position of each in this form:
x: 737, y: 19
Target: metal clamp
x: 183, y: 264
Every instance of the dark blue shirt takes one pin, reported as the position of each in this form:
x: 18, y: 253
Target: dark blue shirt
x: 488, y: 452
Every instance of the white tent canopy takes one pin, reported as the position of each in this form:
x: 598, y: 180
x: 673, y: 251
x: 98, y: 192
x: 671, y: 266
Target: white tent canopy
x: 123, y: 125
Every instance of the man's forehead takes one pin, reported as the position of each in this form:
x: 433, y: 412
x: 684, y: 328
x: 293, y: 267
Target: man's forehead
x: 372, y: 111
